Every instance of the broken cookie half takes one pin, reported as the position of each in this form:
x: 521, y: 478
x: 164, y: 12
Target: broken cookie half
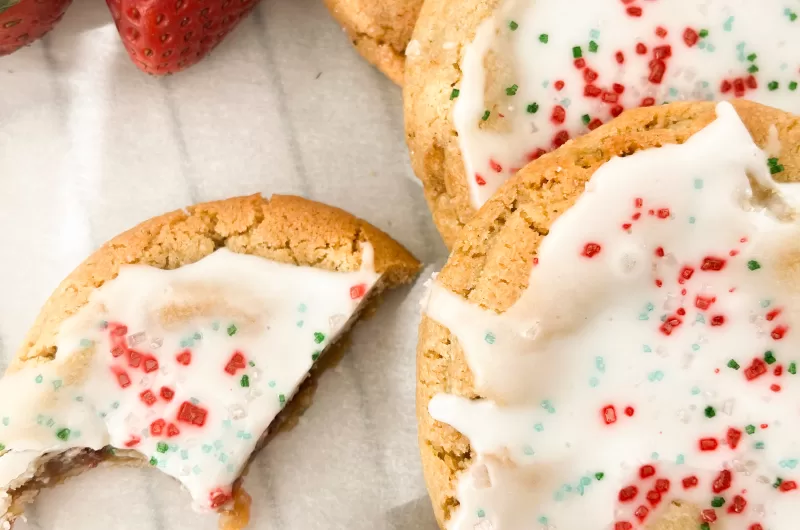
x: 179, y: 343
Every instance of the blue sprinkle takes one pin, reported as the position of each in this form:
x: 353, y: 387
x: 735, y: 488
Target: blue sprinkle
x: 658, y: 375
x: 654, y: 456
x: 196, y: 470
x: 701, y: 45
x: 85, y: 343
x: 5, y: 421
x: 765, y: 303
x: 647, y: 349
x: 695, y: 390
x: 271, y: 384
x: 184, y: 454
x: 600, y: 364
x: 300, y: 323
x: 230, y: 468
x: 538, y: 427
x: 593, y: 382
x: 679, y: 460
x: 218, y: 444
x: 594, y: 34
x: 481, y: 513
x: 489, y: 337
x: 559, y: 496
x: 302, y: 308
x: 57, y: 384
x: 728, y: 25
x: 215, y: 326
x: 580, y: 489
x: 711, y: 47
x: 650, y: 306
x: 695, y: 347
x: 643, y: 316
x: 197, y: 335
x: 789, y: 464
x: 691, y: 220
x: 586, y: 481
x: 698, y: 184
x: 207, y: 448
x: 528, y: 450
x: 700, y: 318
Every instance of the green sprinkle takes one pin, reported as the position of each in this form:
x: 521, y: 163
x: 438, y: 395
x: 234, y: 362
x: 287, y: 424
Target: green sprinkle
x: 586, y: 119
x: 215, y: 326
x: 703, y: 33
x: 232, y: 330
x: 481, y: 513
x: 532, y: 108
x: 759, y: 445
x: 750, y: 429
x: 161, y: 447
x: 6, y: 420
x: 245, y: 382
x: 153, y: 461
x: 733, y: 364
x: 57, y: 384
x: 752, y: 57
x: 2, y: 447
x: 300, y: 323
x: 753, y: 69
x: 793, y: 86
x: 513, y: 26
x: 454, y: 94
x: 318, y: 337
x: 593, y: 46
x: 489, y: 337
x: 710, y: 412
x: 512, y: 90
x: 599, y: 475
x: 543, y: 38
x: 543, y: 519
x: 486, y: 115
x: 705, y: 526
x: 282, y: 398
x: 793, y: 368
x: 63, y: 434
x: 315, y: 356
x: 691, y: 220
x: 717, y: 502
x: 39, y: 378
x: 778, y: 482
x: 769, y: 357
x: 251, y: 363
x: 753, y: 265
x: 773, y: 85
x: 577, y: 53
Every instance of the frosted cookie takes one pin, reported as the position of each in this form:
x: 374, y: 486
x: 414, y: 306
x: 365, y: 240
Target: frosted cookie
x: 498, y: 83
x: 380, y: 31
x: 614, y: 342
x: 180, y: 344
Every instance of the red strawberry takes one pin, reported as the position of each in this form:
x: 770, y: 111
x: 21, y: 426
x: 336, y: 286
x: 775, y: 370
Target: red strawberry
x: 24, y: 21
x: 167, y: 36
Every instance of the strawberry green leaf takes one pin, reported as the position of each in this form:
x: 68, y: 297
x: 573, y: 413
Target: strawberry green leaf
x: 8, y: 4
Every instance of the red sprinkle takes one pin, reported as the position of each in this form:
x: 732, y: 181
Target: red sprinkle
x: 662, y: 52
x: 150, y: 364
x: 629, y: 411
x: 787, y: 485
x: 755, y: 370
x: 497, y: 168
x: 717, y: 320
x: 237, y: 361
x: 686, y: 274
x: 479, y: 180
x: 218, y: 498
x: 623, y: 525
x: 591, y: 91
x: 533, y: 155
x: 184, y: 357
x: 620, y: 57
x: 157, y: 427
x: 647, y: 471
x: 609, y: 414
x: 733, y: 436
x: 722, y: 482
x: 663, y: 213
x: 560, y: 139
x: 738, y: 504
x: 122, y: 378
x: 661, y: 32
x: 559, y: 85
x: 653, y: 497
x: 779, y: 332
x: 117, y: 330
x: 708, y: 444
x: 638, y: 202
x: 704, y: 303
x: 134, y: 441
x: 594, y: 124
x: 580, y: 63
x: 357, y: 291
x: 172, y: 430
x: 148, y: 398
x: 628, y: 494
x: 708, y: 515
x: 662, y: 485
x: 167, y: 393
x: 772, y: 314
x: 134, y: 359
x: 660, y: 252
x: 712, y: 264
x: 690, y: 482
x: 670, y: 324
x: 192, y: 414
x: 590, y: 250
x: 634, y: 11
x: 648, y: 102
x: 619, y: 89
x: 690, y: 37
x: 641, y: 512
x: 616, y: 110
x: 641, y: 49
x: 558, y: 116
x: 775, y: 388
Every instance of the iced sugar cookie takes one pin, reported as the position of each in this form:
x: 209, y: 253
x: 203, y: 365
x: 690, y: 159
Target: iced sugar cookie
x: 614, y: 342
x: 180, y: 344
x: 380, y: 31
x: 498, y: 83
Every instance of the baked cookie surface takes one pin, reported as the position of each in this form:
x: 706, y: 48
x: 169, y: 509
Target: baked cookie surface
x: 498, y: 83
x: 180, y: 343
x: 380, y: 31
x: 491, y: 405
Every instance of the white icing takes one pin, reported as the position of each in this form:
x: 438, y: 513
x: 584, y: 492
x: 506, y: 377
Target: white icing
x: 737, y: 29
x: 588, y: 334
x: 279, y: 317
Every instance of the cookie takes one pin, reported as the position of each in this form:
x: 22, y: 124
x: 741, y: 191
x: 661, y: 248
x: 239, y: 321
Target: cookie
x: 181, y: 343
x: 620, y: 352
x: 380, y: 31
x: 495, y: 85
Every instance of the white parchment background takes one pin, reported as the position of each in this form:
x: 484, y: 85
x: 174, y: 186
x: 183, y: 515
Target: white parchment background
x: 89, y: 147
